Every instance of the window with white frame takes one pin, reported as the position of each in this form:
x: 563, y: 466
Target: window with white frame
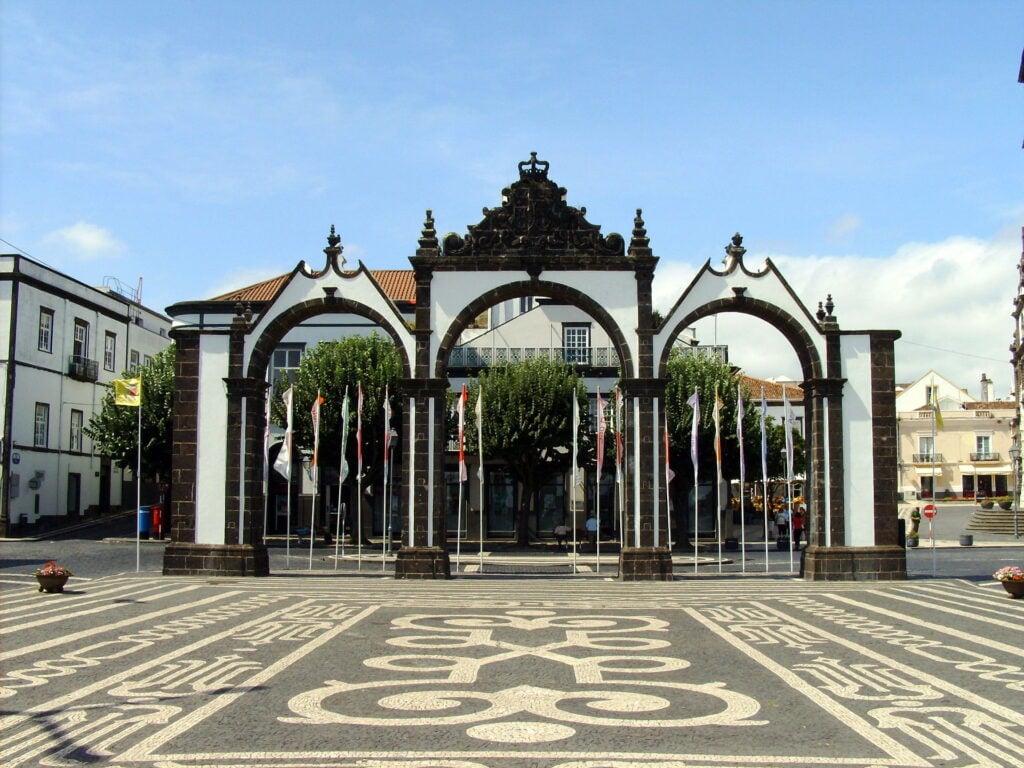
x: 80, y: 347
x: 926, y: 446
x: 45, y: 329
x: 576, y: 343
x: 147, y: 361
x: 285, y: 364
x: 41, y: 438
x: 77, y: 420
x: 982, y: 447
x: 133, y: 360
x: 109, y: 350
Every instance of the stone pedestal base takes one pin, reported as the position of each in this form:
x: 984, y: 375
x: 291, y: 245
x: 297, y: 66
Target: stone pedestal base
x: 645, y: 564
x: 888, y: 563
x: 422, y: 563
x: 184, y: 559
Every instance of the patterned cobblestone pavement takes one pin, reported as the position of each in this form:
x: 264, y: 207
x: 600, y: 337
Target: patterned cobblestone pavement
x: 343, y: 670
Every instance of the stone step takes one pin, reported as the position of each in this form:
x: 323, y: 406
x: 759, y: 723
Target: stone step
x: 995, y: 520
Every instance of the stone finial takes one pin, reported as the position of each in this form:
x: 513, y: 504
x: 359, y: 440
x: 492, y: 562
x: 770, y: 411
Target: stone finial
x: 639, y: 243
x: 734, y: 251
x: 825, y: 311
x: 334, y: 249
x: 428, y: 237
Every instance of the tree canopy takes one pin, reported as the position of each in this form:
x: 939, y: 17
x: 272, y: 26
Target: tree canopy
x: 709, y: 373
x: 528, y: 423
x: 331, y: 368
x: 114, y: 428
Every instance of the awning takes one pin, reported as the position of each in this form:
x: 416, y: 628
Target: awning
x: 928, y: 470
x: 985, y: 469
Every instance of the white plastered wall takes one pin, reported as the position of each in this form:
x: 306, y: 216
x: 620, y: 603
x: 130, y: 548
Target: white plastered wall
x: 452, y: 292
x: 764, y: 286
x: 211, y: 448
x: 858, y: 442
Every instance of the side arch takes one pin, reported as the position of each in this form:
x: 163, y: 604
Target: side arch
x: 544, y: 288
x: 793, y: 331
x: 264, y: 346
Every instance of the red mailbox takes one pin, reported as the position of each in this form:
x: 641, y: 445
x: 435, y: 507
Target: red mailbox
x: 158, y: 520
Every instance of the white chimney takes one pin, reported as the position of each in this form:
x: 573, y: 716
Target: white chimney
x: 986, y: 389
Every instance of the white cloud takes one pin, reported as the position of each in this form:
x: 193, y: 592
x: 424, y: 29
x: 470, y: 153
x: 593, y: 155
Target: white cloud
x: 85, y: 241
x: 843, y: 227
x: 951, y: 300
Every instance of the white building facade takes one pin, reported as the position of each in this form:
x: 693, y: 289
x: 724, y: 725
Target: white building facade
x: 951, y: 444
x: 62, y: 343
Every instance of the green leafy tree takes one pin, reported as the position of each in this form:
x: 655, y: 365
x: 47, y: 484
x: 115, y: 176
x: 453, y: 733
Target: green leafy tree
x: 332, y: 367
x: 708, y: 373
x: 115, y: 428
x: 528, y: 424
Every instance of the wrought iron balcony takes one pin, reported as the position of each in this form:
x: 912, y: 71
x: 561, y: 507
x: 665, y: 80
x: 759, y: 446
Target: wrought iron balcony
x: 985, y: 456
x: 928, y: 458
x: 82, y: 368
x: 485, y: 357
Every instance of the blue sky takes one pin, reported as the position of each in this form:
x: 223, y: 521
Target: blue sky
x: 871, y: 149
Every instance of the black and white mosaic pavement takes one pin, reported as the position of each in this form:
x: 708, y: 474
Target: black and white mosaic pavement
x: 339, y: 670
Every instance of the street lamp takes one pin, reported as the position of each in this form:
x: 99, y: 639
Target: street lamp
x: 1015, y: 463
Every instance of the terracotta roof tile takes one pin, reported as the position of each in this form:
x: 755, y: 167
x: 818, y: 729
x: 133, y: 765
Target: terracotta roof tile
x: 398, y: 284
x: 772, y: 390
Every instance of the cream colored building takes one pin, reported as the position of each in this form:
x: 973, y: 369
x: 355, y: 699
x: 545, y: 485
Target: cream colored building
x: 960, y: 451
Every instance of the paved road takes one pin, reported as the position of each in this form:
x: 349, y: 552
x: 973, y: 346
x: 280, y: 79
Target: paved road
x: 346, y: 670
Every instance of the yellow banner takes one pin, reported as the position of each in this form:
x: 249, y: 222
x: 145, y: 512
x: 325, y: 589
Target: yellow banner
x: 128, y: 392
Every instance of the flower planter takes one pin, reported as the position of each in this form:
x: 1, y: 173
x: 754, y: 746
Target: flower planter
x: 966, y: 540
x: 54, y: 583
x: 1005, y: 505
x: 912, y: 541
x: 1014, y: 588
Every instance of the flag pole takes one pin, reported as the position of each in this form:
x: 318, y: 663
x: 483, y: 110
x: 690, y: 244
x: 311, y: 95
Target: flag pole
x: 480, y: 468
x: 572, y: 495
x: 764, y: 474
x: 694, y: 402
x: 138, y: 491
x: 743, y: 478
x: 339, y: 520
x: 359, y: 478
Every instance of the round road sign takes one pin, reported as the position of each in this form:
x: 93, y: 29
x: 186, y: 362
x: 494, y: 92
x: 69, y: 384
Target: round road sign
x: 929, y: 511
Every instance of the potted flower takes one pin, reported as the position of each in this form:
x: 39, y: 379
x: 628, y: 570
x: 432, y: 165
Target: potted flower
x: 1012, y: 578
x: 912, y: 539
x: 1004, y: 502
x: 52, y: 577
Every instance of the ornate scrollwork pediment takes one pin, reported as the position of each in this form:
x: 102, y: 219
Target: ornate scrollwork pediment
x: 534, y: 219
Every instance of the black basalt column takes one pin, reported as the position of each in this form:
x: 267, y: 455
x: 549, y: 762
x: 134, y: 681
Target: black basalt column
x: 423, y: 428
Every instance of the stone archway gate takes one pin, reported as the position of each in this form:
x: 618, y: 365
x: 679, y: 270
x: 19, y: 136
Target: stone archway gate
x: 533, y: 244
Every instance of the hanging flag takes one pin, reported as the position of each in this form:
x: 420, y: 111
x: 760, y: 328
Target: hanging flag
x: 739, y: 433
x: 343, y: 469
x: 575, y: 444
x: 789, y: 419
x: 387, y: 425
x: 266, y: 440
x: 460, y: 408
x: 935, y: 407
x: 315, y: 413
x: 669, y: 474
x: 618, y: 436
x: 694, y: 402
x: 359, y: 432
x: 602, y: 425
x: 715, y: 417
x: 764, y: 437
x: 128, y: 392
x: 283, y: 462
x: 480, y: 432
